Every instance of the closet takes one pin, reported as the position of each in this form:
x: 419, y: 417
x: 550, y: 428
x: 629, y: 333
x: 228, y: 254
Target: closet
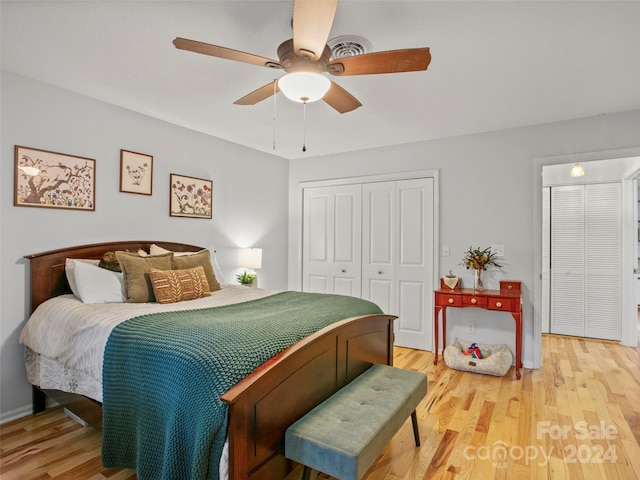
x: 374, y: 240
x: 584, y: 254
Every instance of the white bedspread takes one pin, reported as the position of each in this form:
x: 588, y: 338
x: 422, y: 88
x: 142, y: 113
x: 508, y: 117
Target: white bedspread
x: 75, y: 334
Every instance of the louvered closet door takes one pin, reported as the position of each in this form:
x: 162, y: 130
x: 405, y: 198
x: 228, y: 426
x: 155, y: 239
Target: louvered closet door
x: 332, y: 240
x: 604, y: 261
x: 567, y: 257
x: 586, y: 246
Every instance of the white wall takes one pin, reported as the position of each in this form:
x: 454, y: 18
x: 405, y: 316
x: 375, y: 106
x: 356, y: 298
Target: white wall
x: 248, y: 210
x: 486, y: 197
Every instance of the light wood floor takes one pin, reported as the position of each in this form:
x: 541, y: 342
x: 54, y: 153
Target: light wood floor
x: 578, y: 417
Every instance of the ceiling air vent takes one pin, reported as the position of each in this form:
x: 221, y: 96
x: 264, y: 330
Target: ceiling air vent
x: 348, y: 46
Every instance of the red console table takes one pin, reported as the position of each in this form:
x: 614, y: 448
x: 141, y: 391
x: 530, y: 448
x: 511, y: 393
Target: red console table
x: 507, y: 299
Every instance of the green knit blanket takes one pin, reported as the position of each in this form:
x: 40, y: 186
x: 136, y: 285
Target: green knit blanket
x: 164, y: 373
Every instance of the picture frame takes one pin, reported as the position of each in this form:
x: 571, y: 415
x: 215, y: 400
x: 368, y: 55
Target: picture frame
x: 136, y: 172
x: 49, y: 179
x: 190, y: 197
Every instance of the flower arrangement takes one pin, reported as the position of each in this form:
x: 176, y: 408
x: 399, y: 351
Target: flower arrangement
x: 478, y: 259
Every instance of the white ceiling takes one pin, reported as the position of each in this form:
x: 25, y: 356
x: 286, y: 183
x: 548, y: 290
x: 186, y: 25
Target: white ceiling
x: 495, y: 65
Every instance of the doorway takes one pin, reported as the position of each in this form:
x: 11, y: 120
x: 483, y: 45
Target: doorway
x: 626, y: 162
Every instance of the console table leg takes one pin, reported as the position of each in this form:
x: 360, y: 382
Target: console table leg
x: 518, y: 318
x: 436, y: 322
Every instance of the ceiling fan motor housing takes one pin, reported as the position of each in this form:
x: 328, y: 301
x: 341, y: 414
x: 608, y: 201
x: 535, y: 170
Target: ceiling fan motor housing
x: 302, y: 63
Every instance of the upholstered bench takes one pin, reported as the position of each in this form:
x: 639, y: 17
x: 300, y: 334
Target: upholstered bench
x: 345, y: 434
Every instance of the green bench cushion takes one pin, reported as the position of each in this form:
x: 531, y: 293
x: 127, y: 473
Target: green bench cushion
x: 344, y: 435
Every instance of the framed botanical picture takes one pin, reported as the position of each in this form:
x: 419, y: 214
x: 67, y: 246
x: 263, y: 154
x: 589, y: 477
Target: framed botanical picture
x: 136, y: 172
x: 190, y: 197
x: 54, y: 180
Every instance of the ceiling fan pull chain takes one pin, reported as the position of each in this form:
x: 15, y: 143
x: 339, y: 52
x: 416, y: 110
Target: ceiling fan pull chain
x: 304, y: 126
x: 275, y: 90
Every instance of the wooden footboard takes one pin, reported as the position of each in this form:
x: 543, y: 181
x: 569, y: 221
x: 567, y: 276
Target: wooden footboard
x: 265, y: 403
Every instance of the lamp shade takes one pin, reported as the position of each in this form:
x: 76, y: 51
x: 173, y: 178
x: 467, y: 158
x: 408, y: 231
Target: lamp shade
x: 304, y: 87
x: 251, y: 258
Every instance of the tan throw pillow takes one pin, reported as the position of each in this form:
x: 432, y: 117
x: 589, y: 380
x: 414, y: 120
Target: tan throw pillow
x: 199, y: 259
x: 170, y: 286
x: 137, y: 284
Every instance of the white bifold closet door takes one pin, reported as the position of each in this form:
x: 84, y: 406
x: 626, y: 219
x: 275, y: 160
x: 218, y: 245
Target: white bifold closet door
x: 332, y: 238
x: 397, y: 255
x: 375, y: 241
x: 586, y: 260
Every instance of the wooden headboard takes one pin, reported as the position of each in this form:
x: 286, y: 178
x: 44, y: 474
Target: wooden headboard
x: 48, y: 278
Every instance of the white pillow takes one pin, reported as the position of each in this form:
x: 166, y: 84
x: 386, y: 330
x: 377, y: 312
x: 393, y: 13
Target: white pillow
x: 98, y: 285
x: 69, y: 269
x: 158, y: 250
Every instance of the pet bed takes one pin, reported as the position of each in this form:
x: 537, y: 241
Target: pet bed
x: 497, y: 364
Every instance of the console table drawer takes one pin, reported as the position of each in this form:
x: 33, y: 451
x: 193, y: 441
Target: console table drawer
x: 449, y: 300
x: 474, y: 301
x: 501, y: 303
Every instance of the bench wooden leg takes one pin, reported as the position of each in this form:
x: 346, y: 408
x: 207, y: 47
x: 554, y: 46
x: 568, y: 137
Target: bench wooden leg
x: 416, y: 432
x: 306, y: 473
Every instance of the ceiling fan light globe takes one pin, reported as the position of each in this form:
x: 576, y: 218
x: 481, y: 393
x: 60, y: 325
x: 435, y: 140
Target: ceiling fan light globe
x: 304, y: 87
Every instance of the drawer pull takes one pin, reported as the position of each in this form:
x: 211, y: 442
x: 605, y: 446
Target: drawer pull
x: 451, y: 300
x: 474, y: 301
x: 344, y: 271
x: 498, y: 304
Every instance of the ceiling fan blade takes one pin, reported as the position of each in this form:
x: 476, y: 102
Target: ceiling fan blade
x: 391, y: 61
x: 341, y: 100
x: 260, y: 94
x: 223, y: 52
x: 312, y: 21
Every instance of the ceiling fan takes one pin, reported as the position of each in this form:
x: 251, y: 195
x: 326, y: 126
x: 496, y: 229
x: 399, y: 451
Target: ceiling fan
x: 308, y: 52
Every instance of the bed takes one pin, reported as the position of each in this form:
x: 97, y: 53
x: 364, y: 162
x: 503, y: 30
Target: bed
x: 264, y: 403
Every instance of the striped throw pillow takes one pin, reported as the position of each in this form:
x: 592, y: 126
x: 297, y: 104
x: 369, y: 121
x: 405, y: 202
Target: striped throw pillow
x: 170, y: 286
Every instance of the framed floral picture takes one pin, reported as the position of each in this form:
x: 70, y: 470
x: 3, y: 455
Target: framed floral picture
x: 136, y: 172
x: 190, y: 197
x: 54, y: 180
